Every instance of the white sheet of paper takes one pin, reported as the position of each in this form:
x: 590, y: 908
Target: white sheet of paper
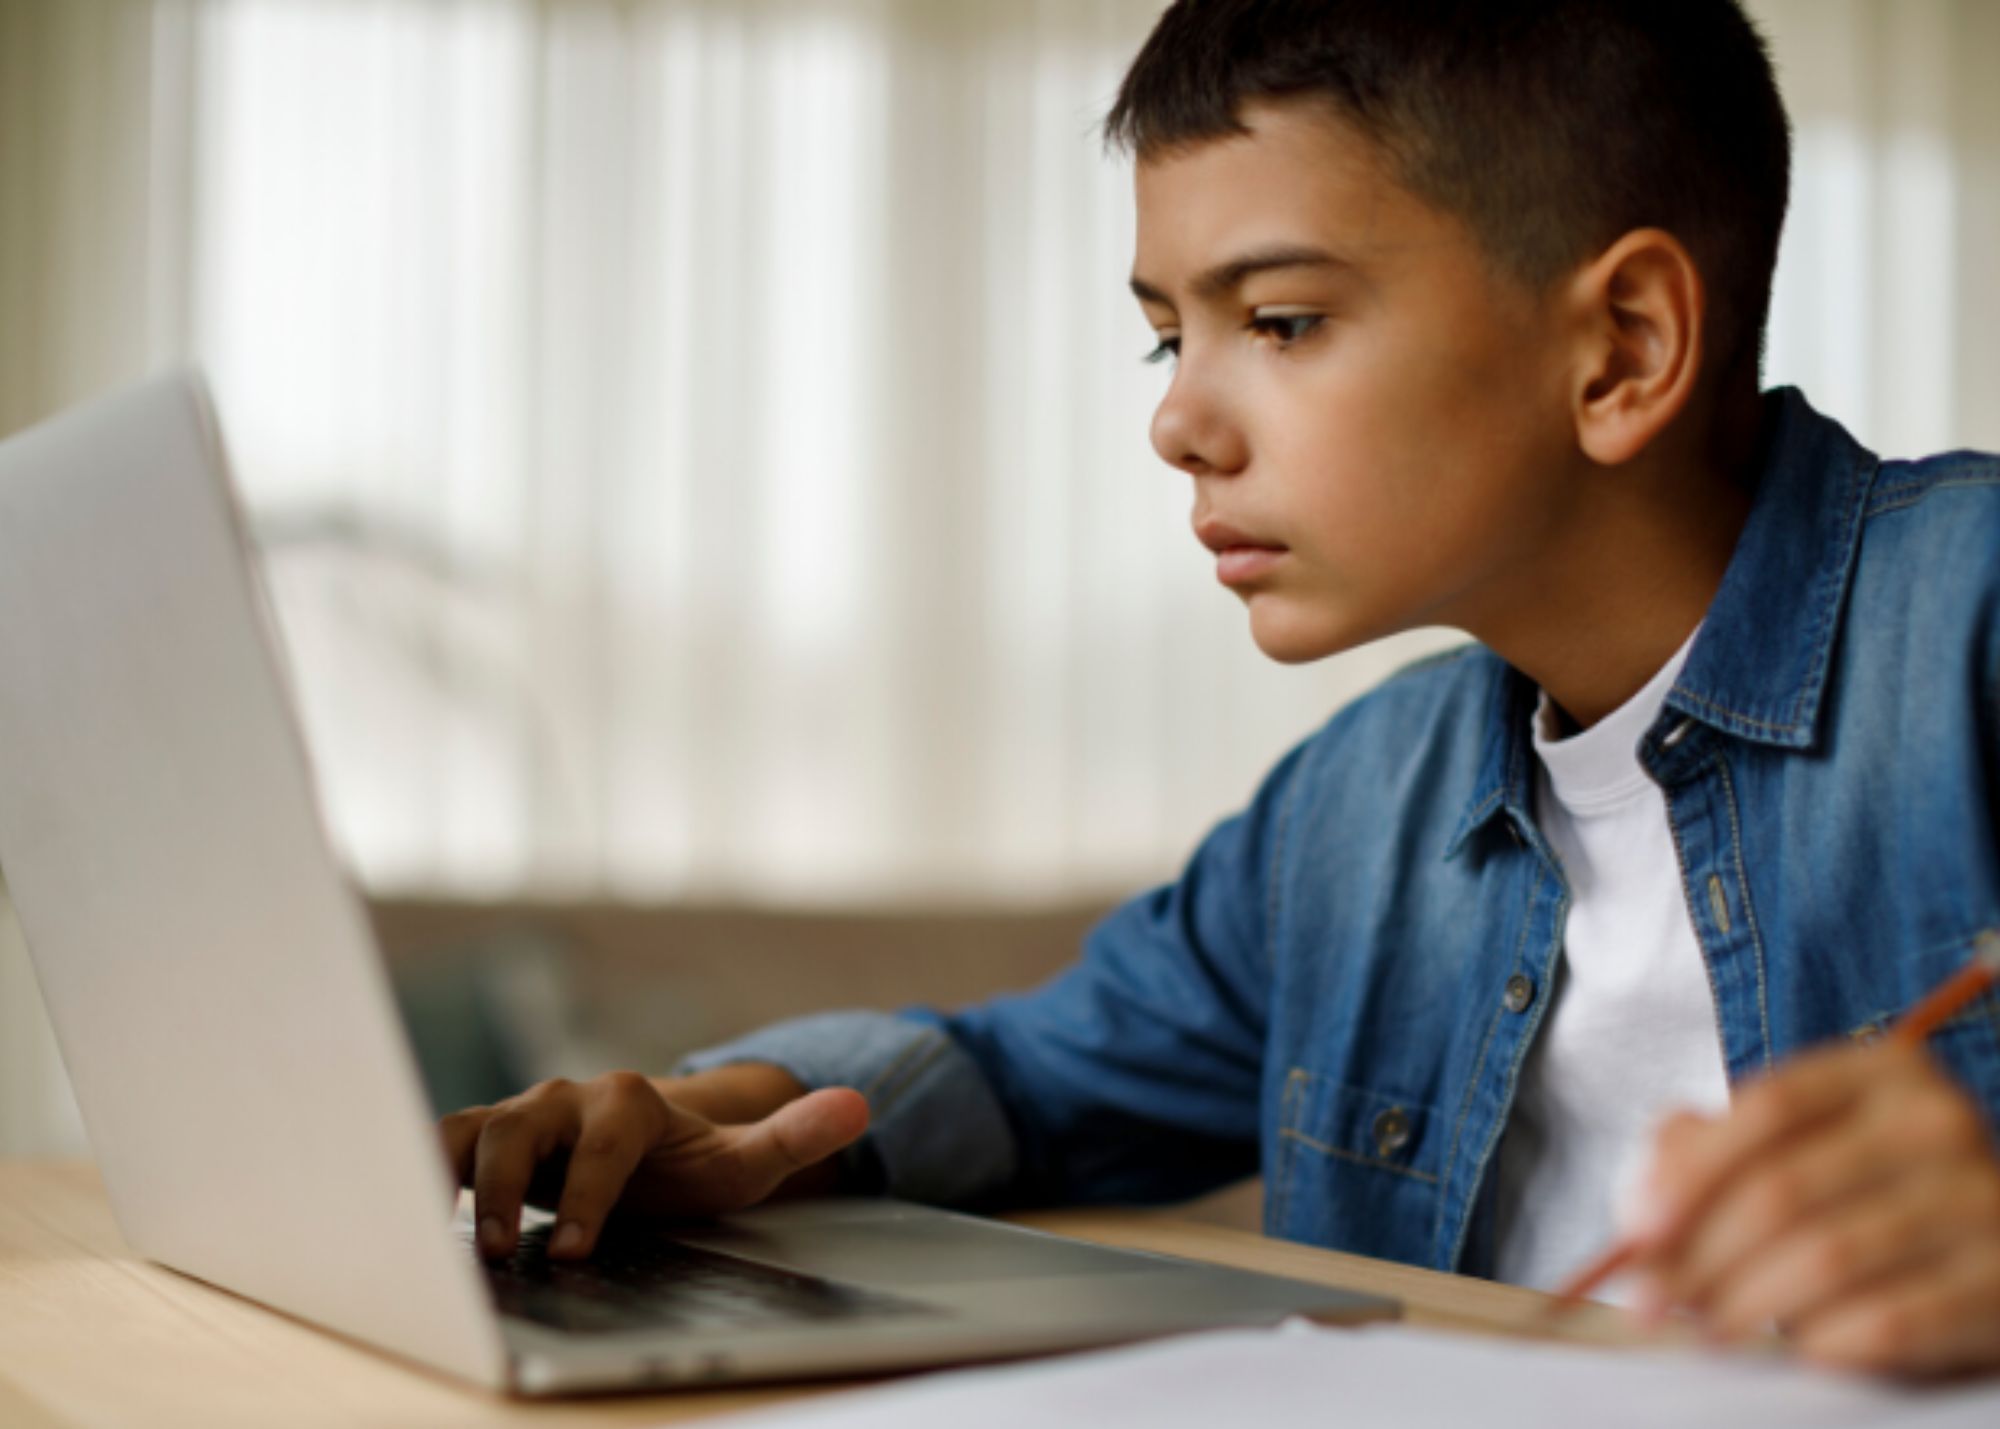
x: 1396, y: 1376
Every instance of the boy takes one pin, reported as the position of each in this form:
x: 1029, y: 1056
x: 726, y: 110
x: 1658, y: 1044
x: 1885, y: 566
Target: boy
x: 1466, y: 298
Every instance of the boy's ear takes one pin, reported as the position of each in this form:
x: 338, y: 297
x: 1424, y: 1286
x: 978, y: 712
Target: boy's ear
x: 1642, y: 311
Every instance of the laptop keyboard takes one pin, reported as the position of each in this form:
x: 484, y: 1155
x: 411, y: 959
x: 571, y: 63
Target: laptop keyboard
x: 637, y: 1281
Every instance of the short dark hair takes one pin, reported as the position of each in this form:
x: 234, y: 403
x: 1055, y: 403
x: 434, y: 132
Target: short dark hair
x: 1550, y: 127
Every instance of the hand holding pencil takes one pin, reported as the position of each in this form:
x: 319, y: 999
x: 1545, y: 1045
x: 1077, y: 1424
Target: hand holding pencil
x: 1852, y: 1197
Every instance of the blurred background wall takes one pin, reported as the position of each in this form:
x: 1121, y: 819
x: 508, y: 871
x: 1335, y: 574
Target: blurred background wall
x: 699, y: 446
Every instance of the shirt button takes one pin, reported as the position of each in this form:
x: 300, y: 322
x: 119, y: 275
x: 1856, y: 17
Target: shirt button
x: 1520, y: 992
x: 1392, y: 1131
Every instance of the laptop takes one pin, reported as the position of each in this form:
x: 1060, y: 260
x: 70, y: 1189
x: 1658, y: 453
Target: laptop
x: 236, y: 1050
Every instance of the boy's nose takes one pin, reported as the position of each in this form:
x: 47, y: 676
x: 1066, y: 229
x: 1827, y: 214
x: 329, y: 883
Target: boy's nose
x: 1191, y: 434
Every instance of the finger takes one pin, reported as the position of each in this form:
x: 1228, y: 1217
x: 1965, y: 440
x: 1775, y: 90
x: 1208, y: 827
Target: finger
x: 460, y: 1134
x: 1938, y: 1318
x: 515, y: 1138
x: 1869, y: 1239
x: 623, y: 1120
x: 1911, y: 1122
x: 1775, y: 1196
x: 1695, y: 1161
x: 797, y: 1135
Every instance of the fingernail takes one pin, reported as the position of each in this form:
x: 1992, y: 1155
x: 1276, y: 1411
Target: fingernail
x: 569, y: 1238
x: 491, y: 1232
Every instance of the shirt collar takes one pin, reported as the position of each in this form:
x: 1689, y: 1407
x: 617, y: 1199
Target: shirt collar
x: 1758, y: 668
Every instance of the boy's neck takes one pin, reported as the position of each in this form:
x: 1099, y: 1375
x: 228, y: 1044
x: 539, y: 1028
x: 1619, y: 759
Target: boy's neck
x: 1624, y: 583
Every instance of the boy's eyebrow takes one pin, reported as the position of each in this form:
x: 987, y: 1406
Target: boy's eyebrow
x: 1224, y: 277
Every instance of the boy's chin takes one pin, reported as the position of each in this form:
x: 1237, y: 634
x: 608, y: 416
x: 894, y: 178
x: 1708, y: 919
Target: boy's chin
x: 1294, y: 636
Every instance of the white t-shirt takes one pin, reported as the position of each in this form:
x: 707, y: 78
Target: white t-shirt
x: 1632, y: 1033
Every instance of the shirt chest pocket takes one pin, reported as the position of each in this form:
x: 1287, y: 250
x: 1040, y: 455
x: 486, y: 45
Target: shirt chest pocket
x: 1353, y: 1169
x: 1967, y: 1046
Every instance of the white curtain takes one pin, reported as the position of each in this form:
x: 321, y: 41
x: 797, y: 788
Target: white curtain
x: 1887, y: 309
x: 701, y: 447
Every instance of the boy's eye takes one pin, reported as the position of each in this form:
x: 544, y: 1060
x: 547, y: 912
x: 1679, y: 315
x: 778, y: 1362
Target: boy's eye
x: 1287, y: 328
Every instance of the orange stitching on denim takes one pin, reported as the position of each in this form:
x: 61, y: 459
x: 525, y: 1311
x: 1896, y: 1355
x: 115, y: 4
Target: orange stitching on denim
x: 1558, y: 934
x: 1707, y: 969
x: 890, y: 1094
x: 1426, y: 1177
x: 932, y: 1042
x: 1479, y: 1064
x: 1904, y: 495
x: 1282, y: 1202
x: 1749, y: 908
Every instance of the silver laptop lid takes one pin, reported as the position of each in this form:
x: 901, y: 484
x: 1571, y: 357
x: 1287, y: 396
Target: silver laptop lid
x: 213, y: 982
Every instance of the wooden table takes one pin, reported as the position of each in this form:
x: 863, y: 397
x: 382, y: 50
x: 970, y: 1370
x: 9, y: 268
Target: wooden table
x: 91, y: 1335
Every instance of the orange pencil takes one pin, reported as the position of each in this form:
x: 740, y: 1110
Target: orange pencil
x: 1981, y: 971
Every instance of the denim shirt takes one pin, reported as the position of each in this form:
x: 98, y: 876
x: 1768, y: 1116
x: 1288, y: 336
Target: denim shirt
x: 1342, y: 986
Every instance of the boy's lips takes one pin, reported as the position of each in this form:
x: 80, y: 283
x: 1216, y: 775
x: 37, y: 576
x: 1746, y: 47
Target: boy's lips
x: 1239, y: 556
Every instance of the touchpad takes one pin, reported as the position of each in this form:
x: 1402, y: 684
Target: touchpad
x: 914, y: 1250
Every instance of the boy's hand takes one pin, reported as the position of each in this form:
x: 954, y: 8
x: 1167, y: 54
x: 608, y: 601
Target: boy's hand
x: 1852, y: 1198
x: 618, y: 1140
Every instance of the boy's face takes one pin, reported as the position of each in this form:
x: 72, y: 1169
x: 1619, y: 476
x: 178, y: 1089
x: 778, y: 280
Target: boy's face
x: 1395, y: 418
